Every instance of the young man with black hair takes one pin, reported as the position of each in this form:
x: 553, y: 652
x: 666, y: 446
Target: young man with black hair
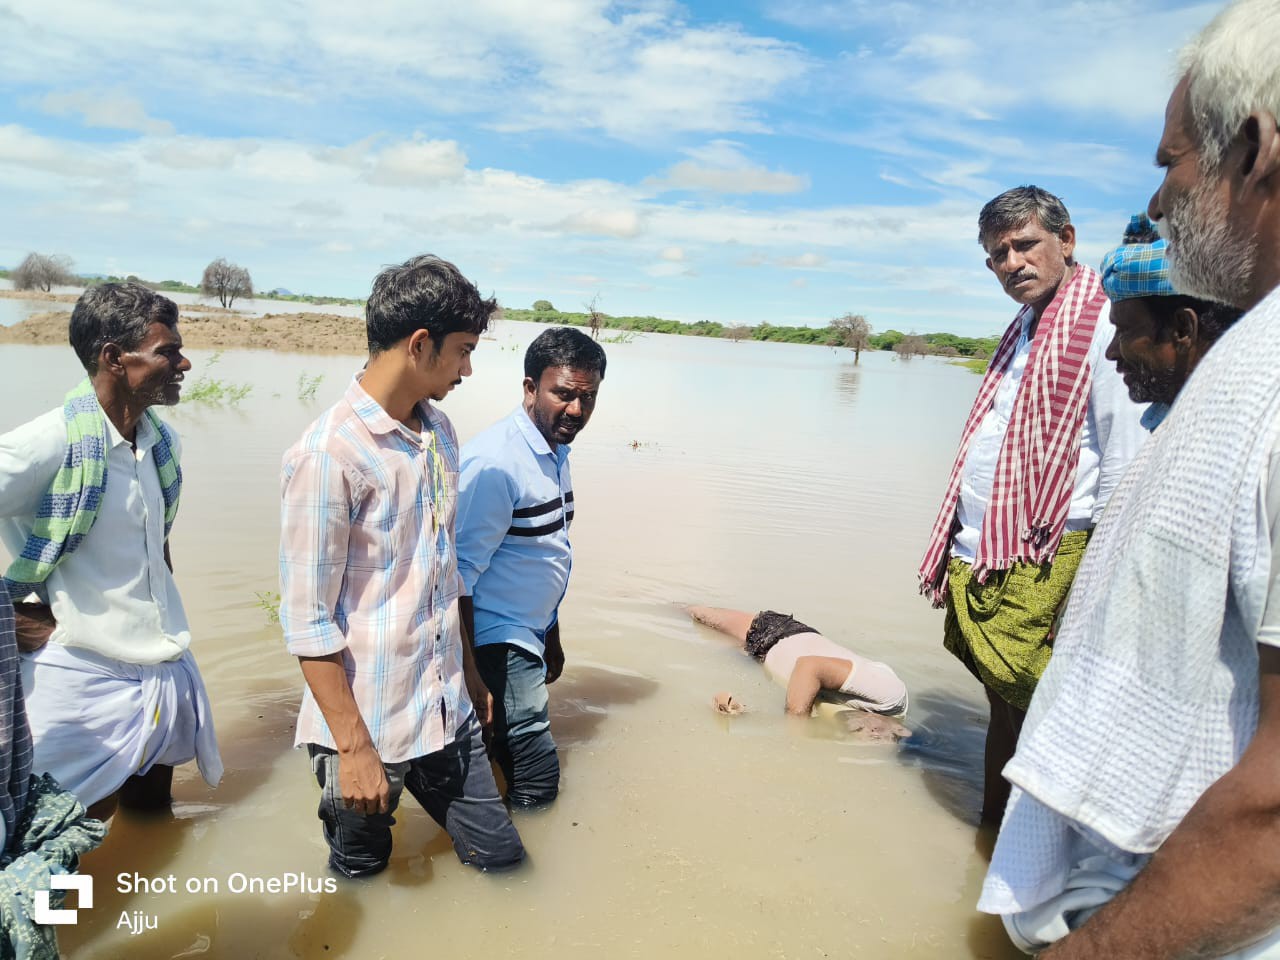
x: 369, y: 598
x: 515, y: 504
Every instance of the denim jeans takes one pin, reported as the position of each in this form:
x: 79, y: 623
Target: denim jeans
x: 522, y: 744
x: 454, y: 785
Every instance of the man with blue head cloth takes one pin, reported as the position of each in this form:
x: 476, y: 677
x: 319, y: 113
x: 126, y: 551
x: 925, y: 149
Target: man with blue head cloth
x: 1160, y: 335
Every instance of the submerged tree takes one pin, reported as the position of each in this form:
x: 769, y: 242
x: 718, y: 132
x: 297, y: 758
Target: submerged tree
x: 912, y: 345
x: 854, y: 331
x: 40, y: 271
x: 226, y: 281
x: 594, y: 316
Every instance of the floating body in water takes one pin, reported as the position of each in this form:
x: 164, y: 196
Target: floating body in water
x: 812, y: 666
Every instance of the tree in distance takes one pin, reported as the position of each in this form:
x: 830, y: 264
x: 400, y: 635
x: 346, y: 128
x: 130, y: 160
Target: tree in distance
x: 912, y: 345
x: 42, y: 272
x: 543, y: 306
x: 737, y: 332
x: 854, y: 331
x: 594, y: 316
x: 226, y: 281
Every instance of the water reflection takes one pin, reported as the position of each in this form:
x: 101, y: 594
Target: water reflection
x: 848, y: 380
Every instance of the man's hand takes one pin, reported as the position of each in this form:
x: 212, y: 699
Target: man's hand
x: 34, y: 625
x: 480, y: 696
x: 362, y: 780
x: 553, y: 654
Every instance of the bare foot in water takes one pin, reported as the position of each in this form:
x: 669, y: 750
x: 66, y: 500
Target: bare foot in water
x: 873, y: 728
x: 728, y: 704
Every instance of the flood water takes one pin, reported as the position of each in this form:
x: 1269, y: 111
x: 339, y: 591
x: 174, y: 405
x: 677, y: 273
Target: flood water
x: 746, y: 475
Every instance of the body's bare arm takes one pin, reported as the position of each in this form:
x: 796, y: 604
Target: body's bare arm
x: 362, y: 778
x: 811, y: 676
x: 1214, y: 886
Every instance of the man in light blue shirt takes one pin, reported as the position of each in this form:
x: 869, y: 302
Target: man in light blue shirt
x: 515, y: 505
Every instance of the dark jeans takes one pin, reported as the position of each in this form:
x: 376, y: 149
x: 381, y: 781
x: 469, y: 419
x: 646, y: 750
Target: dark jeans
x: 454, y: 785
x: 521, y: 744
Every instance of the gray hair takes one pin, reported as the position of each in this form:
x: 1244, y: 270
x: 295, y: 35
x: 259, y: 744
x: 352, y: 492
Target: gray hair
x: 1233, y: 68
x: 119, y: 313
x: 1016, y: 208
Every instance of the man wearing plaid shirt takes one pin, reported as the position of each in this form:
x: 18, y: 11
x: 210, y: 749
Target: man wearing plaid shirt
x: 369, y: 586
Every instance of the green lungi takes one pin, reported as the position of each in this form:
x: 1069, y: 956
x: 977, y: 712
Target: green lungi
x: 1002, y: 629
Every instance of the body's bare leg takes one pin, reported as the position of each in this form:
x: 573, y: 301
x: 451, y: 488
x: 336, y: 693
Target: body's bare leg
x: 734, y: 623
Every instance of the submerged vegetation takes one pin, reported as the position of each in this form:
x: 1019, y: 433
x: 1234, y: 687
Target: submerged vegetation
x: 307, y: 386
x: 268, y: 601
x: 213, y: 391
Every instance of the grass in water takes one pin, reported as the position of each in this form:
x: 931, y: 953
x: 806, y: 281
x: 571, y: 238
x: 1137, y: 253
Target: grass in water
x: 307, y: 386
x: 269, y: 602
x: 973, y: 366
x: 210, y: 390
x: 625, y: 336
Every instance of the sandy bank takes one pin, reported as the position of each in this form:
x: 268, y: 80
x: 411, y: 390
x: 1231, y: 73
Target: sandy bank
x: 216, y: 329
x: 39, y: 296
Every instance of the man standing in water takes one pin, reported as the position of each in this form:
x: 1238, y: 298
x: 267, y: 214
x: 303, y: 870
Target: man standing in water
x: 369, y: 586
x: 1047, y: 439
x: 515, y: 506
x: 88, y: 494
x: 1144, y: 819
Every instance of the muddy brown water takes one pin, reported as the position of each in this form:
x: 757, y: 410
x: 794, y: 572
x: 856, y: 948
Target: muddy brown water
x: 747, y: 475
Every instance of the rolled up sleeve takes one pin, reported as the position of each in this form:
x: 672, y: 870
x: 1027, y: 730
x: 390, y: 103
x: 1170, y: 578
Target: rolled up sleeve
x: 317, y: 498
x: 485, y: 502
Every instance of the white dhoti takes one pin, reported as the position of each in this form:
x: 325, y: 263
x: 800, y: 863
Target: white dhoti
x: 96, y: 721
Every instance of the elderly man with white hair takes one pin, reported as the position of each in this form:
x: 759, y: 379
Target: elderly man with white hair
x: 1145, y: 815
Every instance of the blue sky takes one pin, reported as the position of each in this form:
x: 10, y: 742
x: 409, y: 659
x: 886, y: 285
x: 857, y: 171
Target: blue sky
x: 780, y: 161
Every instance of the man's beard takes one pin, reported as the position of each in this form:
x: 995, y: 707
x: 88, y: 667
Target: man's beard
x: 1153, y: 386
x: 1205, y: 259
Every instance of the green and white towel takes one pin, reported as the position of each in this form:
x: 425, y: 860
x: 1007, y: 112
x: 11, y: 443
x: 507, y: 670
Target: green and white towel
x: 69, y: 508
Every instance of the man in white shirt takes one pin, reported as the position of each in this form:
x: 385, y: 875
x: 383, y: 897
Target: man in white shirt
x: 1049, y: 435
x: 88, y: 493
x: 1151, y: 827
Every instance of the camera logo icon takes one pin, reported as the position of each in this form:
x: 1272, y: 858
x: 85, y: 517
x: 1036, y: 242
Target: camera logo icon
x: 81, y: 883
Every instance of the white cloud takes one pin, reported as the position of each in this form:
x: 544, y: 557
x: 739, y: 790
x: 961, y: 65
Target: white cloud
x: 116, y: 111
x: 805, y: 261
x: 418, y: 163
x: 722, y: 167
x: 623, y: 224
x: 994, y: 66
x: 672, y: 254
x: 635, y: 71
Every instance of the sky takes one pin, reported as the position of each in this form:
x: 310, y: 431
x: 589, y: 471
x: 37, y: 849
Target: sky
x: 780, y: 161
